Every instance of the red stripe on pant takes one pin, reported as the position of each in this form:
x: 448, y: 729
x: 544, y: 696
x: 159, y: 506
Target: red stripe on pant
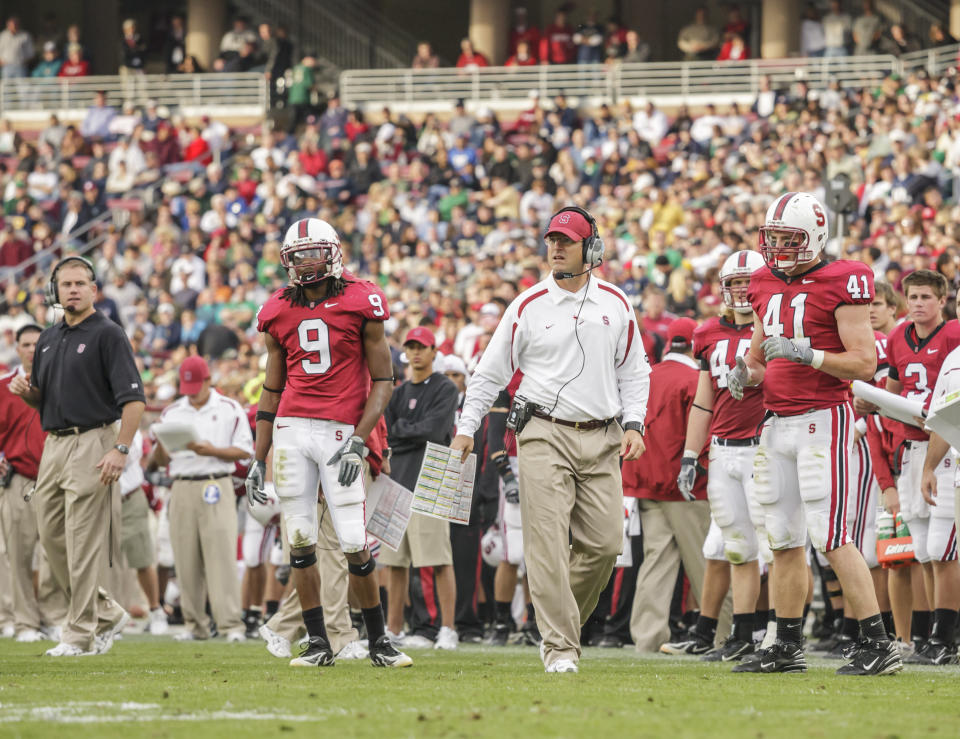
x: 429, y: 592
x: 951, y: 551
x: 839, y: 430
x: 617, y: 587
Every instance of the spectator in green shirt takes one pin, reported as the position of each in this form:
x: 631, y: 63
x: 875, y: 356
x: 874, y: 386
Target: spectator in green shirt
x: 302, y: 86
x: 50, y: 63
x: 456, y: 196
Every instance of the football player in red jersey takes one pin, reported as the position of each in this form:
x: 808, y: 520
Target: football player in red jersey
x: 916, y: 350
x: 717, y: 343
x: 811, y: 337
x: 325, y: 345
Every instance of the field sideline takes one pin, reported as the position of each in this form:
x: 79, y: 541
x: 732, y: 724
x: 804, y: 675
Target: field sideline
x: 149, y: 687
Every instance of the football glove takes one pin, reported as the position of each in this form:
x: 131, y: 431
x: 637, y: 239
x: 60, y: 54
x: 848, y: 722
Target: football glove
x: 511, y: 486
x: 738, y: 378
x: 254, y: 482
x: 350, y: 456
x: 780, y: 347
x: 687, y: 477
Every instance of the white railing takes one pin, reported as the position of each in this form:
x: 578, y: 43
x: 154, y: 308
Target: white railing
x: 492, y: 85
x: 246, y: 90
x: 935, y: 61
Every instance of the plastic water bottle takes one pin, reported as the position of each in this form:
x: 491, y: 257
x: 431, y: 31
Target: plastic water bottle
x: 901, y: 527
x: 885, y: 525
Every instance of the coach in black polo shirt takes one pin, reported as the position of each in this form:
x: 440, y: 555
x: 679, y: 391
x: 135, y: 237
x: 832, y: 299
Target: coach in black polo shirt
x: 84, y: 380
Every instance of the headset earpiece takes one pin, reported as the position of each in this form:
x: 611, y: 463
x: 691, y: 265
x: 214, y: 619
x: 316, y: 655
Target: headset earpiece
x: 53, y: 295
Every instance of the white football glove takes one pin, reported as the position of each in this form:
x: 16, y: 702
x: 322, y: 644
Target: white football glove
x: 687, y: 477
x: 780, y: 347
x: 254, y: 482
x: 350, y: 456
x: 738, y: 378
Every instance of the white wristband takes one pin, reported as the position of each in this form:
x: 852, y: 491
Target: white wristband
x: 817, y: 358
x: 691, y: 453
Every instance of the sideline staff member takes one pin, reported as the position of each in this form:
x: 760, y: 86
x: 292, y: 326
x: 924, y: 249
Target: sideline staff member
x: 576, y: 341
x: 203, y: 507
x: 84, y: 378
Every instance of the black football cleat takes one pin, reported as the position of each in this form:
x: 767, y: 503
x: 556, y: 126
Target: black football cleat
x: 781, y: 657
x: 874, y: 658
x: 317, y: 654
x: 733, y: 650
x: 384, y: 654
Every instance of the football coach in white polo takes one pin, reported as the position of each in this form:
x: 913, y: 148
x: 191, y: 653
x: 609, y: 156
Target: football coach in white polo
x: 575, y: 338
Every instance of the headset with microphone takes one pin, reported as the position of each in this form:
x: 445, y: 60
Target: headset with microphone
x: 592, y: 244
x: 52, y: 293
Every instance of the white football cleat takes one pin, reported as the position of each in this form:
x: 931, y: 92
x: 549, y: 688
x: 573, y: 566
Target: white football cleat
x: 354, y: 650
x: 414, y: 641
x: 158, y: 625
x: 277, y: 645
x: 185, y: 636
x: 8, y: 632
x: 52, y: 633
x: 563, y: 665
x: 29, y: 635
x: 236, y: 637
x: 103, y: 642
x: 447, y: 639
x: 67, y: 650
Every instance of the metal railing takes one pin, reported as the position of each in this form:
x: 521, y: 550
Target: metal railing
x: 490, y: 85
x: 935, y: 61
x: 248, y: 90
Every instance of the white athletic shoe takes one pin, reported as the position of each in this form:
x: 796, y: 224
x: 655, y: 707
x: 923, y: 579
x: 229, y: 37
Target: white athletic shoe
x: 185, y: 636
x: 354, y: 650
x: 395, y: 639
x: 52, y: 633
x: 103, y: 642
x: 8, y: 632
x: 277, y: 645
x: 414, y: 641
x: 236, y: 637
x: 29, y: 635
x: 447, y: 639
x: 68, y: 650
x: 562, y: 665
x: 158, y: 625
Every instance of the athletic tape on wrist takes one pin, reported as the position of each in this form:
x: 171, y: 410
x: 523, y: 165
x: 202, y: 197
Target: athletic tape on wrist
x: 817, y: 358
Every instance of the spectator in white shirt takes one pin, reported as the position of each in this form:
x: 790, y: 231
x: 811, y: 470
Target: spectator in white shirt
x: 651, y: 124
x: 536, y: 205
x: 836, y: 30
x: 188, y: 271
x: 128, y: 152
x: 813, y: 42
x: 16, y: 49
x: 268, y: 150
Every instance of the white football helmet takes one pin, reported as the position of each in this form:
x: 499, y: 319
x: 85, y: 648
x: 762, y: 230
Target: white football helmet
x: 491, y: 546
x: 269, y: 512
x: 795, y: 231
x: 738, y: 264
x: 311, y: 252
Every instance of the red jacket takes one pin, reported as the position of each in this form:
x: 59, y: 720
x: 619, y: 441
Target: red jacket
x: 883, y: 439
x: 673, y: 386
x: 21, y: 437
x: 556, y: 45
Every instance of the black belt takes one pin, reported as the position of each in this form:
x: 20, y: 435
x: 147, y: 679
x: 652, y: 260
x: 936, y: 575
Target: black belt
x: 77, y: 430
x: 752, y: 441
x: 908, y: 443
x: 194, y: 478
x: 579, y: 425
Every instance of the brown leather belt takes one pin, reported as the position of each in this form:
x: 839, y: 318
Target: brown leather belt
x: 578, y: 425
x: 77, y: 430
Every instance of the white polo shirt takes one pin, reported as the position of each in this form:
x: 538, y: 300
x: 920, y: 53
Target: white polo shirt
x: 580, y: 353
x: 221, y: 421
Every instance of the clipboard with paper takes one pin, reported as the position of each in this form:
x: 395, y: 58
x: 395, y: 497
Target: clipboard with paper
x: 174, y: 435
x: 892, y: 406
x: 944, y: 417
x: 444, y: 486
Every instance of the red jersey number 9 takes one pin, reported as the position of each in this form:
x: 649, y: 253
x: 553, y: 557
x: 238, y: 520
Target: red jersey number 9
x: 315, y: 338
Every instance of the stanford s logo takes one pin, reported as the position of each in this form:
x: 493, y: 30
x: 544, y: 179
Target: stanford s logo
x: 81, y: 348
x: 412, y: 404
x: 564, y: 218
x: 606, y: 321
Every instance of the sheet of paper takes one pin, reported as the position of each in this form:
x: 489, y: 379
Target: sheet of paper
x: 944, y: 418
x: 174, y: 436
x: 631, y: 527
x: 389, y: 504
x: 892, y: 406
x: 444, y: 486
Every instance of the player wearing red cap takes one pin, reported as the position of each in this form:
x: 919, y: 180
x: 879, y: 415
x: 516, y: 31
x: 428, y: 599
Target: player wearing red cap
x: 203, y: 509
x: 811, y: 337
x: 575, y: 339
x: 328, y: 379
x: 674, y: 525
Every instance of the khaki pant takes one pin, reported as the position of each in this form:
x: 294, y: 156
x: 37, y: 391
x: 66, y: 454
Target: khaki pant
x: 334, y: 588
x: 203, y: 532
x: 673, y: 532
x: 19, y: 522
x: 74, y: 514
x: 6, y: 588
x: 571, y: 490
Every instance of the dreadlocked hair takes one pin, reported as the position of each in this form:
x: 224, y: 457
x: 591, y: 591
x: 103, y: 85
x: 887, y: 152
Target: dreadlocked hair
x: 296, y: 294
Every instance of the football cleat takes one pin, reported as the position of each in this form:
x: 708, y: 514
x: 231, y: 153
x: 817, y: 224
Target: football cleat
x: 781, y: 657
x: 447, y: 639
x: 416, y: 641
x: 874, y: 658
x: 692, y: 643
x: 29, y: 635
x: 530, y: 634
x: 733, y: 650
x: 843, y: 648
x: 317, y: 654
x: 158, y: 625
x: 934, y: 652
x: 251, y: 626
x: 68, y: 650
x: 354, y: 650
x: 277, y: 645
x: 610, y: 641
x: 499, y: 636
x: 103, y: 642
x: 384, y: 654
x: 562, y: 665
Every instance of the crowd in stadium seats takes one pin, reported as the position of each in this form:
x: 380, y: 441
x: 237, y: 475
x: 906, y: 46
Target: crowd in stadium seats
x: 447, y: 215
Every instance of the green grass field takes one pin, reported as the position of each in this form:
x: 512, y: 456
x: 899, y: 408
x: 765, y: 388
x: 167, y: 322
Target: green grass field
x: 146, y: 687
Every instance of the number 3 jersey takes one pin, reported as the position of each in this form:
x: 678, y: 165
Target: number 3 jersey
x: 327, y: 374
x: 916, y: 362
x: 804, y: 307
x: 716, y: 344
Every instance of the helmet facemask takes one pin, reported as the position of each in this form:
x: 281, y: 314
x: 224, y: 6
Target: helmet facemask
x: 735, y: 296
x: 783, y: 248
x: 311, y: 262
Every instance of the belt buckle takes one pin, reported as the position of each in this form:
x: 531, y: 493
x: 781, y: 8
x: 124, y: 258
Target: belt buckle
x: 576, y: 425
